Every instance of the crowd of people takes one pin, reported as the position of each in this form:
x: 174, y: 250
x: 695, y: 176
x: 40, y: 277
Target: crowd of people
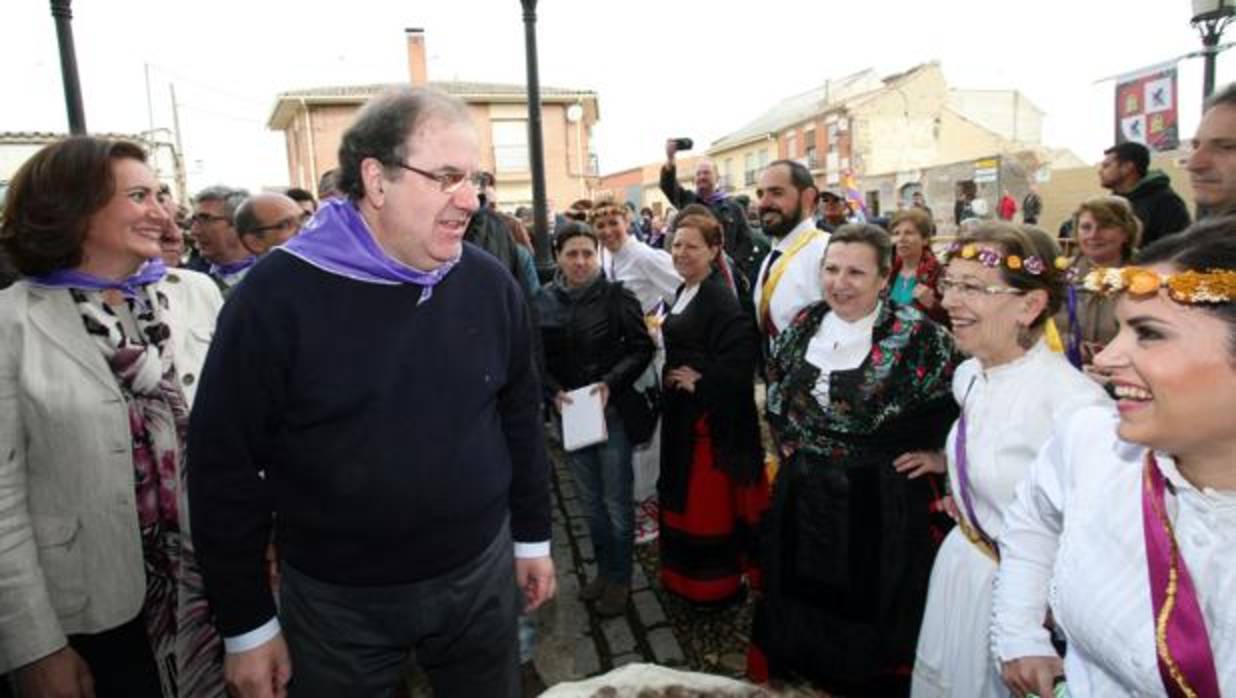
x: 283, y: 453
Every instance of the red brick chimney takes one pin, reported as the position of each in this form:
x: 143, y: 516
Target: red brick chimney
x: 417, y: 72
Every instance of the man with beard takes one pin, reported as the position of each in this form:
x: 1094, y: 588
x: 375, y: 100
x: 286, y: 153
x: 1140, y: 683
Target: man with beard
x: 789, y: 278
x: 1125, y: 170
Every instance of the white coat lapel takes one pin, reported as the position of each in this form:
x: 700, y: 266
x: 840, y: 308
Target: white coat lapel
x: 55, y: 314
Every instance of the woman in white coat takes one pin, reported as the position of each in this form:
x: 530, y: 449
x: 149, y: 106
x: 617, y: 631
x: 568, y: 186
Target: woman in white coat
x: 100, y: 348
x: 999, y: 292
x: 1126, y: 524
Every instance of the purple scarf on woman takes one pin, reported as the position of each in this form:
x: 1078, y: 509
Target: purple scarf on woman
x: 151, y: 271
x: 339, y: 241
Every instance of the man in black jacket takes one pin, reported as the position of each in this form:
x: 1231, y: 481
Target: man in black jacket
x: 747, y: 249
x: 1125, y: 171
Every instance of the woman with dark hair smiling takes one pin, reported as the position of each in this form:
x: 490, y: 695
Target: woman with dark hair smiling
x: 594, y: 334
x: 859, y: 404
x: 712, y: 487
x: 1125, y: 525
x: 1000, y: 289
x: 100, y: 349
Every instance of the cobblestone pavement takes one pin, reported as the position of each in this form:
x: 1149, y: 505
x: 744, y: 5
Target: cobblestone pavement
x: 574, y: 643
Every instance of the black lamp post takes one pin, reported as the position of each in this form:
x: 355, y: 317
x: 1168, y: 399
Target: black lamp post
x: 536, y: 149
x: 1211, y: 17
x: 68, y: 65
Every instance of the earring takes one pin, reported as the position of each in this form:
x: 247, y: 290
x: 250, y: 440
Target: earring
x: 1025, y: 338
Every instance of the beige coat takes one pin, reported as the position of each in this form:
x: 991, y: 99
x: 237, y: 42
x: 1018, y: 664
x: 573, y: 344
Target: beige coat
x: 70, y: 549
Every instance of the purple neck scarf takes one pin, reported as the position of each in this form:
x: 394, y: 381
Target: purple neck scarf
x: 338, y: 241
x: 221, y: 270
x: 1186, y: 661
x: 713, y: 198
x: 151, y: 271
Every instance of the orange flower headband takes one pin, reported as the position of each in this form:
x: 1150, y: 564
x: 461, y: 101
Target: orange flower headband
x: 1213, y: 286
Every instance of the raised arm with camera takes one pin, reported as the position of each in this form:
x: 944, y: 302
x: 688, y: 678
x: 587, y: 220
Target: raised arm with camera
x: 746, y: 248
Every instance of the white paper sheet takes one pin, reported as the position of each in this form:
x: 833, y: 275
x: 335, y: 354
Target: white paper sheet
x: 583, y: 419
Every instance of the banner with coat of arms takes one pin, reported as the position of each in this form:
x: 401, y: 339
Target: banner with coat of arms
x: 1146, y: 108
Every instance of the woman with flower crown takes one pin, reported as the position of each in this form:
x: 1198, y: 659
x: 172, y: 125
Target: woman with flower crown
x: 1129, y: 517
x: 999, y: 293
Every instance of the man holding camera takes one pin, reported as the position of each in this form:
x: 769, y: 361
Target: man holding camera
x: 746, y: 248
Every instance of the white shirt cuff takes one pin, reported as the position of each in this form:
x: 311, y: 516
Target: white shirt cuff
x: 253, y: 638
x: 526, y: 550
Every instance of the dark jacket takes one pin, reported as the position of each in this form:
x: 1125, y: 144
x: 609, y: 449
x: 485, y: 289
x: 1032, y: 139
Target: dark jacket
x: 745, y: 247
x: 593, y: 334
x: 1161, y: 211
x: 715, y: 337
x: 488, y: 231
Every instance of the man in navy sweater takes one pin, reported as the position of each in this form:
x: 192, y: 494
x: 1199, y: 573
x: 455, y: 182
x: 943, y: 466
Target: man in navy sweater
x: 371, y: 393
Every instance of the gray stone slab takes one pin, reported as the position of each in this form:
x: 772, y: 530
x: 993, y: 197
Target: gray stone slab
x: 648, y: 608
x: 627, y: 659
x: 665, y: 646
x: 585, y: 549
x: 639, y: 580
x: 587, y: 662
x: 619, y: 636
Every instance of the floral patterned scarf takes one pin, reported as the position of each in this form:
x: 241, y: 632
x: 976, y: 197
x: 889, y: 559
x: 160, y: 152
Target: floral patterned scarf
x: 186, y: 648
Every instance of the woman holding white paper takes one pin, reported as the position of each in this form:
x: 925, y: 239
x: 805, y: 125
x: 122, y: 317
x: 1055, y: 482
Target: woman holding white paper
x: 594, y: 335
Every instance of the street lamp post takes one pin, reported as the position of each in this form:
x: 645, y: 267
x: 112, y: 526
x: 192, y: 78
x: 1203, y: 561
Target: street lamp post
x: 63, y: 15
x: 536, y: 150
x: 1211, y: 17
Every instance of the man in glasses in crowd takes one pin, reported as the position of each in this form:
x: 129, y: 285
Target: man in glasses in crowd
x: 214, y: 232
x: 266, y: 220
x: 371, y: 393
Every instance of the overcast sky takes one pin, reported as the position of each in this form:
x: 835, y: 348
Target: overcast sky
x: 660, y: 68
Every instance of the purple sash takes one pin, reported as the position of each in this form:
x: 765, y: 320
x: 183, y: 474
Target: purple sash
x: 1186, y: 662
x: 1073, y: 346
x: 963, y: 475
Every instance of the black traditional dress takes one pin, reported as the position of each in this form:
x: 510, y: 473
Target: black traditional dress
x: 849, y: 542
x: 712, y: 486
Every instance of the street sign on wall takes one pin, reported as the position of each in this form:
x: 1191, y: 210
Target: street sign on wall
x: 1146, y: 108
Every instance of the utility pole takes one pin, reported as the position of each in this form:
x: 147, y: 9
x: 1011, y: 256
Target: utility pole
x: 63, y: 14
x: 178, y: 154
x: 536, y: 145
x: 149, y: 104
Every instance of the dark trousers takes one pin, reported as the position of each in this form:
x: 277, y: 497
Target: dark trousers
x: 121, y: 661
x: 355, y: 641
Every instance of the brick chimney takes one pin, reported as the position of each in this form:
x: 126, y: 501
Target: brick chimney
x: 417, y: 72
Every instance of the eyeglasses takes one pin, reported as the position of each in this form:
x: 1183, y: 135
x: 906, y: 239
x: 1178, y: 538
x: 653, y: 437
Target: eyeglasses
x: 449, y: 181
x: 205, y: 218
x: 291, y: 222
x: 971, y: 290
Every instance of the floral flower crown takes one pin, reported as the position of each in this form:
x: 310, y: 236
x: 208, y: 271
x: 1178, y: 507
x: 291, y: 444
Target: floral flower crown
x: 1213, y: 286
x: 988, y: 257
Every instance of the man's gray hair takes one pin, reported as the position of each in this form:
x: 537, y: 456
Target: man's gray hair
x: 1225, y: 97
x: 231, y: 198
x: 381, y: 131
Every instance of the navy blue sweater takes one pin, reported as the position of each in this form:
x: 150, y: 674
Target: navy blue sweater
x: 395, y: 437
